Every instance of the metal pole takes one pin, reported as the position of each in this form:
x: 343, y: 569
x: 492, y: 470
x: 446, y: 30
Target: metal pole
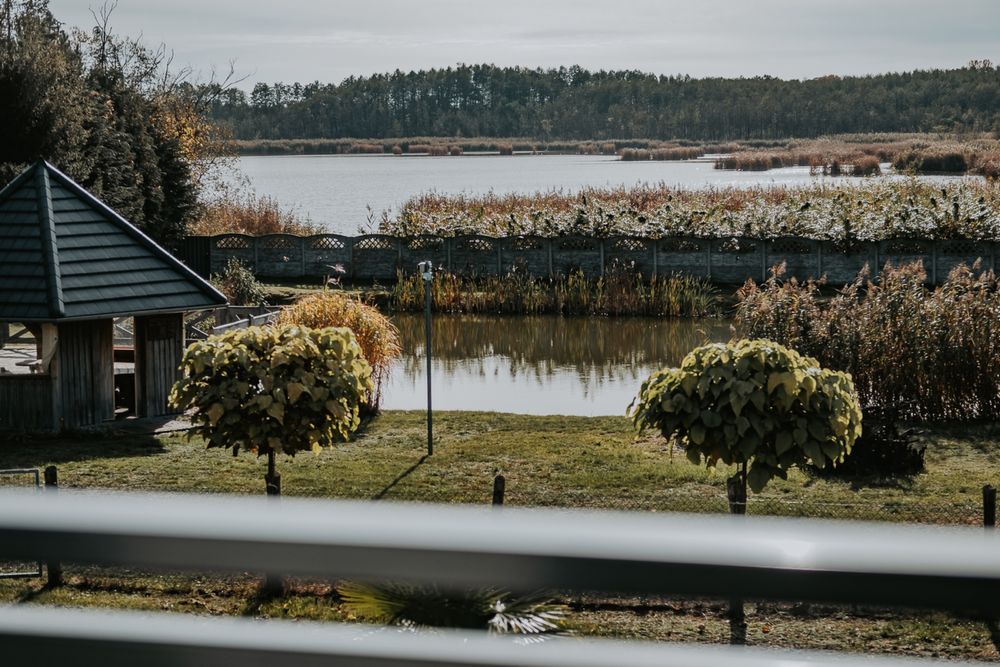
x: 426, y: 268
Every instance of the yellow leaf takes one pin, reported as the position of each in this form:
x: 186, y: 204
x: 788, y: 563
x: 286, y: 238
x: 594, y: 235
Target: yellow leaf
x: 277, y: 411
x: 294, y: 390
x: 215, y: 413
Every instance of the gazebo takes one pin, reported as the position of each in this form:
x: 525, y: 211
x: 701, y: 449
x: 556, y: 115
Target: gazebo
x: 69, y: 265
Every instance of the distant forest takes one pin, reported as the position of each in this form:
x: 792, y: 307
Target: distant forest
x: 573, y: 103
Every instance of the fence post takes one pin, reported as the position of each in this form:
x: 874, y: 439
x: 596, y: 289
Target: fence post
x: 499, y: 486
x: 53, y: 568
x: 989, y: 506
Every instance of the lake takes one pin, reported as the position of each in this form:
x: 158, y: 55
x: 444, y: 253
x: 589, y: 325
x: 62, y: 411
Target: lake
x: 538, y: 365
x: 336, y: 190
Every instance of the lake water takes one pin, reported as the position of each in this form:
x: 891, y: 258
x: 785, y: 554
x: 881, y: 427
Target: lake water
x: 336, y: 190
x: 538, y: 365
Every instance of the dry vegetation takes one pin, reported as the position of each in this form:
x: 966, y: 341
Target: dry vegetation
x: 249, y: 214
x: 872, y: 210
x: 913, y: 351
x: 619, y: 292
x: 377, y: 336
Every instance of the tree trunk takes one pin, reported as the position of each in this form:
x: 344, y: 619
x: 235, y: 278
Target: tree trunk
x: 736, y: 490
x: 272, y: 480
x: 274, y: 584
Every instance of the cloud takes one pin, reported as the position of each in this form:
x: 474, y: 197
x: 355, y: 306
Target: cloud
x: 308, y: 40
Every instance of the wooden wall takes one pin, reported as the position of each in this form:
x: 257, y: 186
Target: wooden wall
x: 83, y: 371
x: 26, y: 402
x: 159, y: 346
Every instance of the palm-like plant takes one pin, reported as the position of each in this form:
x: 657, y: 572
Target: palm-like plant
x: 428, y: 606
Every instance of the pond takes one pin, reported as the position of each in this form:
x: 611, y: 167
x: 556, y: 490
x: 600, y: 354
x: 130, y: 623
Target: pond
x: 538, y: 365
x: 334, y: 191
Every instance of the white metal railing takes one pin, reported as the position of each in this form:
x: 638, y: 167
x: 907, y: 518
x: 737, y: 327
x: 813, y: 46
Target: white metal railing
x: 716, y: 556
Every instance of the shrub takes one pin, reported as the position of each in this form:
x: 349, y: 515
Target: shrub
x: 240, y: 285
x: 754, y: 404
x: 268, y: 390
x: 505, y: 149
x: 928, y: 354
x: 426, y: 606
x: 377, y: 336
x: 455, y: 151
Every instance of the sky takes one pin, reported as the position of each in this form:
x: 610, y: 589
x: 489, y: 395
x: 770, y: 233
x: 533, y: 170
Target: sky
x: 329, y: 40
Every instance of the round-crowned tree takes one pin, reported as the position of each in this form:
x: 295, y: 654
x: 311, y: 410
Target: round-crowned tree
x: 272, y: 390
x: 753, y: 404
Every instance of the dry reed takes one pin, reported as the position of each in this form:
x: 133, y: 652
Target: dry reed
x: 916, y: 352
x: 377, y: 336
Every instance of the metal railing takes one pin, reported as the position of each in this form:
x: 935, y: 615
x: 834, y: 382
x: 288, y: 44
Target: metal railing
x: 953, y: 569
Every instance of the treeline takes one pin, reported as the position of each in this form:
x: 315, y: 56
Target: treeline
x: 574, y: 103
x: 107, y: 111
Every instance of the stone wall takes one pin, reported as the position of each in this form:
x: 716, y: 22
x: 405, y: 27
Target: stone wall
x: 377, y: 257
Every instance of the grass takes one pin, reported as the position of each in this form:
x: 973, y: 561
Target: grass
x: 579, y: 461
x: 557, y: 460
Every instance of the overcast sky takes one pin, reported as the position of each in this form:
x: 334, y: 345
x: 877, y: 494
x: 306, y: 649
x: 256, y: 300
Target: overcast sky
x: 327, y: 40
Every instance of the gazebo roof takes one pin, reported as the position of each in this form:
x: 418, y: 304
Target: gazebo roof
x: 65, y: 255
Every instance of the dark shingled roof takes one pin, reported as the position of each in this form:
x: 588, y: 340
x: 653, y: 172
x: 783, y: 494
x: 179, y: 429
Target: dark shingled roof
x: 65, y: 255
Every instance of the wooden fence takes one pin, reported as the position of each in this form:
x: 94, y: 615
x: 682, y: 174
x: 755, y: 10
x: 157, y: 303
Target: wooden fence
x: 377, y: 257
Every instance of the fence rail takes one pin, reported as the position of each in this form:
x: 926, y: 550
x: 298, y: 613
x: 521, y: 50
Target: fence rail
x: 377, y: 257
x: 760, y: 558
x: 937, y: 568
x: 32, y: 635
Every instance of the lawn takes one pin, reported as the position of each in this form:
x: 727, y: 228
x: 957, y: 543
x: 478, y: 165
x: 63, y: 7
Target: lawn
x: 566, y: 461
x: 558, y: 461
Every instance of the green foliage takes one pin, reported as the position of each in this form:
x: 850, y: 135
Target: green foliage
x: 927, y: 354
x: 374, y: 332
x: 99, y: 108
x: 240, y: 285
x: 427, y: 606
x: 574, y: 103
x: 271, y: 390
x: 752, y: 402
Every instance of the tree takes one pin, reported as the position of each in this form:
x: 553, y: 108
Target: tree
x: 110, y: 113
x: 268, y: 390
x: 755, y: 405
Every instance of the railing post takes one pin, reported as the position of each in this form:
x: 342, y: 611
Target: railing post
x: 53, y: 568
x: 499, y: 486
x: 989, y: 506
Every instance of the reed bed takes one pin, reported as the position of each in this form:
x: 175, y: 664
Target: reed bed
x: 919, y: 154
x: 252, y: 215
x: 915, y: 352
x: 376, y: 335
x: 619, y: 292
x: 870, y: 211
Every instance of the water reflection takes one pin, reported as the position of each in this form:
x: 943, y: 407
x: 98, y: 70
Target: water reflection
x: 539, y: 365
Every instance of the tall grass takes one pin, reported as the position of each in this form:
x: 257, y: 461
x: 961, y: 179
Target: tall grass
x: 250, y: 214
x: 618, y: 292
x: 377, y: 336
x: 916, y: 352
